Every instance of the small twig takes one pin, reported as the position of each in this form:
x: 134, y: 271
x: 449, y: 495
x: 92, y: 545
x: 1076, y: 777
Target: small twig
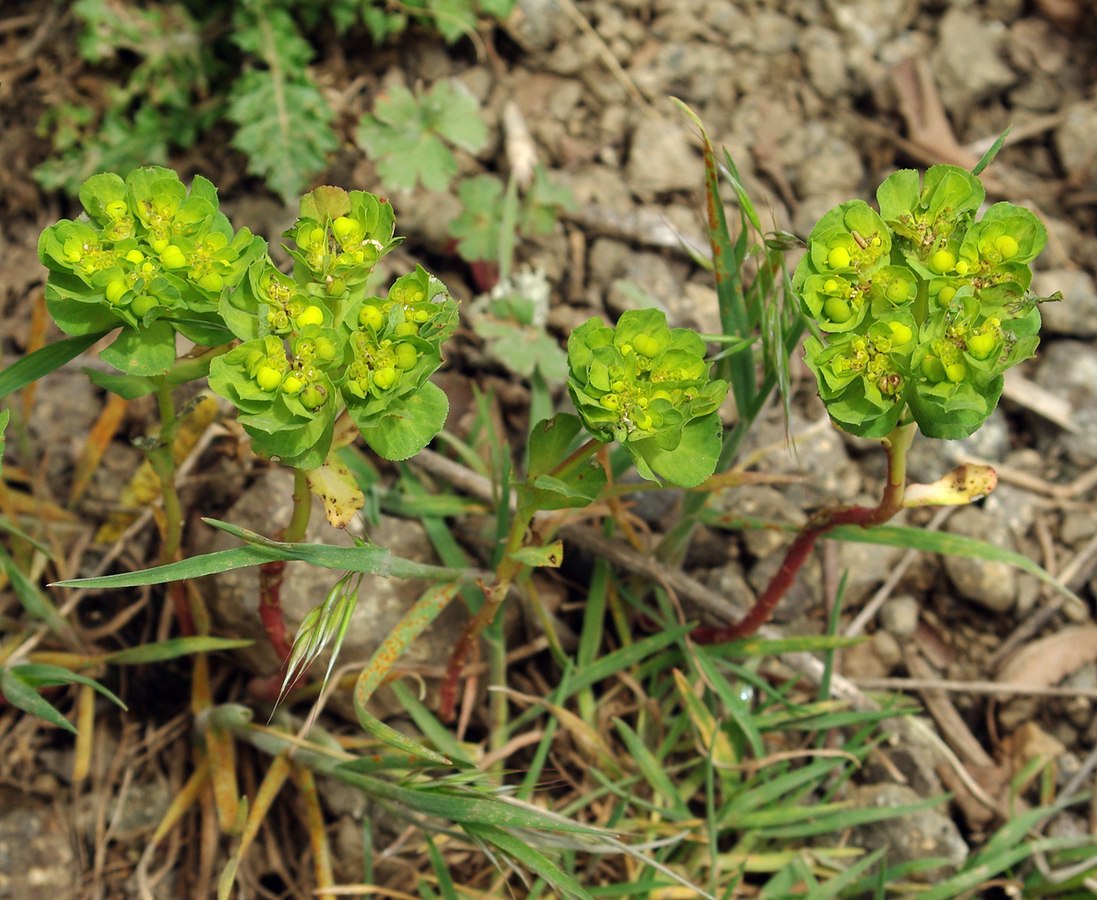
x: 992, y: 688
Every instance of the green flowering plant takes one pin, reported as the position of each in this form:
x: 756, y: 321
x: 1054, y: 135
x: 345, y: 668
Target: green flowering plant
x: 317, y: 342
x: 920, y: 308
x: 647, y: 386
x: 149, y: 258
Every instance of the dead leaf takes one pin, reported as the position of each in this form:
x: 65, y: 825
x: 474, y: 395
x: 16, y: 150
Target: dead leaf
x: 335, y: 485
x: 1050, y: 659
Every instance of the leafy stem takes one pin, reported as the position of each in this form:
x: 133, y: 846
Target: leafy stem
x: 896, y: 445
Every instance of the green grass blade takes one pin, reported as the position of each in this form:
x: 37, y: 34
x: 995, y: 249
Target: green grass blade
x: 43, y: 361
x: 948, y: 544
x: 530, y: 858
x: 432, y: 729
x: 20, y: 694
x: 39, y: 675
x: 32, y: 599
x: 173, y: 648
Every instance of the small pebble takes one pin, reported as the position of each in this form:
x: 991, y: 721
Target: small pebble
x: 899, y: 615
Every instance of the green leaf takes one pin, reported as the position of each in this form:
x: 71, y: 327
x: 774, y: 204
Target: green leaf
x: 128, y: 386
x: 477, y: 225
x: 369, y: 559
x: 550, y: 442
x: 22, y: 696
x: 173, y: 648
x: 408, y: 136
x: 551, y: 555
x: 949, y: 544
x: 687, y: 465
x: 143, y: 352
x: 408, y: 424
x: 283, y: 122
x: 532, y: 859
x: 4, y: 415
x: 33, y: 600
x: 43, y: 361
x: 41, y: 675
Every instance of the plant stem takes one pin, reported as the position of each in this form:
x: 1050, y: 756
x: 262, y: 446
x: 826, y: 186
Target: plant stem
x: 494, y: 595
x: 896, y: 444
x: 271, y: 574
x: 162, y: 460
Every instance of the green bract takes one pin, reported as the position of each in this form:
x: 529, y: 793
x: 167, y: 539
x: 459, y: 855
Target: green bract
x: 648, y: 386
x: 920, y: 308
x: 149, y: 257
x: 317, y: 342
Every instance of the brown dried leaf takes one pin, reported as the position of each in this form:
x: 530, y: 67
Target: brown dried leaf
x: 335, y: 485
x: 1047, y: 661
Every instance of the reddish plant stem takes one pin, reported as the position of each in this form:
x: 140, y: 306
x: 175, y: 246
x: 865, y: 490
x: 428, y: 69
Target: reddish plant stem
x: 896, y: 444
x: 272, y: 574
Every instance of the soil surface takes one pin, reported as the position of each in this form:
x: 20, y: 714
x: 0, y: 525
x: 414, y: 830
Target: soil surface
x: 816, y: 101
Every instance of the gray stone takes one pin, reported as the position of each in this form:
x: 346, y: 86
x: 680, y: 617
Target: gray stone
x: 539, y: 24
x: 923, y: 834
x: 993, y: 585
x: 966, y: 62
x: 825, y: 61
x: 36, y: 858
x: 233, y: 597
x: 663, y: 157
x: 1069, y: 370
x: 1074, y: 141
x: 828, y: 162
x: 899, y: 615
x: 1077, y: 527
x: 872, y: 22
x: 645, y: 279
x: 1076, y: 314
x: 767, y: 505
x: 887, y: 650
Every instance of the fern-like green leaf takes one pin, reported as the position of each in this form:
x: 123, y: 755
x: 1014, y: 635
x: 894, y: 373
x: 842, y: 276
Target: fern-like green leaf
x: 283, y: 122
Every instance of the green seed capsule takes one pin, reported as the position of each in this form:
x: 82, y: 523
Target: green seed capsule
x: 956, y: 372
x: 945, y: 295
x: 932, y: 369
x: 311, y: 315
x: 942, y: 261
x: 385, y: 378
x: 135, y: 256
x: 116, y: 289
x: 173, y: 257
x: 292, y: 385
x: 1007, y: 246
x: 313, y: 396
x: 406, y: 356
x: 406, y: 329
x: 901, y: 334
x: 371, y: 317
x: 838, y: 258
x: 837, y: 310
x: 211, y: 281
x: 268, y: 378
x: 898, y: 291
x: 325, y: 349
x: 116, y: 210
x: 962, y: 267
x: 159, y: 245
x: 143, y: 304
x: 982, y: 345
x: 346, y: 229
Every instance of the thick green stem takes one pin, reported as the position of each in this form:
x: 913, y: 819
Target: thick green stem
x: 162, y: 460
x: 896, y: 444
x: 302, y: 508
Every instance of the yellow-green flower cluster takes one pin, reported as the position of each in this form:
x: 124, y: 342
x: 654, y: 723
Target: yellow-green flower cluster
x: 148, y: 251
x: 648, y: 387
x: 923, y: 265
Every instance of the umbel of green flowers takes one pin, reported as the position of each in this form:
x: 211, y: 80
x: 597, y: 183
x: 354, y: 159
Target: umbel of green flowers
x: 151, y: 258
x: 648, y: 387
x: 319, y: 341
x: 920, y: 306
